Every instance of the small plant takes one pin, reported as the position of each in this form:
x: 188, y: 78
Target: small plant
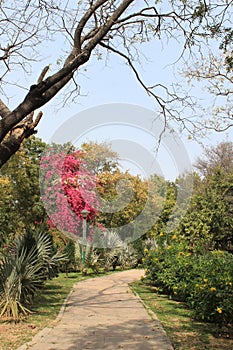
x: 107, y: 251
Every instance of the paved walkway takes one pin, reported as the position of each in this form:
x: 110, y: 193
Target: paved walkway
x: 102, y: 314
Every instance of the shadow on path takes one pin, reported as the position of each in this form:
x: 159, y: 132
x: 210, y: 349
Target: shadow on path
x: 103, y: 314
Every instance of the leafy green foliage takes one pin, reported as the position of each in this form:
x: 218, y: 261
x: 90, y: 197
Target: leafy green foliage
x: 107, y: 251
x: 210, y: 216
x: 204, y: 280
x: 99, y: 157
x: 128, y: 203
x: 192, y: 263
x: 23, y: 270
x: 212, y: 293
x: 20, y: 204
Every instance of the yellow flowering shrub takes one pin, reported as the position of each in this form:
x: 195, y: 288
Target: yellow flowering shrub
x: 190, y: 278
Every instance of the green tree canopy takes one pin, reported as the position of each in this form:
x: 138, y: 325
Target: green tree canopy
x: 210, y: 216
x: 20, y: 204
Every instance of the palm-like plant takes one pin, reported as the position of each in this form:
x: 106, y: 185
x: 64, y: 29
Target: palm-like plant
x: 107, y: 250
x: 23, y: 270
x: 128, y: 256
x: 46, y: 254
x: 111, y: 243
x: 92, y: 257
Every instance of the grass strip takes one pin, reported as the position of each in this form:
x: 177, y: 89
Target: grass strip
x: 184, y: 332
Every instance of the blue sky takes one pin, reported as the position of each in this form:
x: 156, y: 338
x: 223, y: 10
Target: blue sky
x: 104, y: 83
x: 112, y: 82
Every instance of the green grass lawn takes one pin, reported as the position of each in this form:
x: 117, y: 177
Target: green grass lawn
x: 183, y: 331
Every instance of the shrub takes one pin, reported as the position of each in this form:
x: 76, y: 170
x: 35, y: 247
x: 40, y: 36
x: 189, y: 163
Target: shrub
x: 169, y: 269
x: 212, y: 295
x: 107, y: 251
x: 28, y: 263
x: 204, y: 280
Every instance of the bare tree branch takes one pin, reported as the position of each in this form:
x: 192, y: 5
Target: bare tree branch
x: 42, y: 75
x: 119, y: 26
x: 4, y: 110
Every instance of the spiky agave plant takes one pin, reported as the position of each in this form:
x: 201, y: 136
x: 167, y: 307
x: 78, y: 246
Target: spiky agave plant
x: 107, y: 250
x: 100, y: 252
x: 46, y: 254
x: 116, y: 252
x: 92, y: 258
x: 23, y: 270
x: 109, y: 242
x: 127, y: 256
x: 20, y: 277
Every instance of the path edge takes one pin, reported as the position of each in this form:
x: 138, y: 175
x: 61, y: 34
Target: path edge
x: 153, y: 316
x: 43, y: 332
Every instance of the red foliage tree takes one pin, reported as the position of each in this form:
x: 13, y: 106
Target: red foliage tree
x: 67, y: 187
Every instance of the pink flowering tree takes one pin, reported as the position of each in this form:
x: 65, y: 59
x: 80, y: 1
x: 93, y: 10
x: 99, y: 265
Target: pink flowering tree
x: 67, y: 187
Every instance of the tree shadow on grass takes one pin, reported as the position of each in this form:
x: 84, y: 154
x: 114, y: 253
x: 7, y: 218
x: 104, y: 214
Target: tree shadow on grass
x: 49, y: 297
x: 178, y: 321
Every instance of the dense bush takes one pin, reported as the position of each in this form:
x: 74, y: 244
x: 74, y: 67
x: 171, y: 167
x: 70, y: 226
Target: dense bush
x: 203, y: 280
x: 212, y: 293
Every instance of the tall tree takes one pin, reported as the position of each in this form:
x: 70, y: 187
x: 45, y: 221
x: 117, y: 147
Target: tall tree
x: 210, y: 216
x: 67, y: 188
x: 95, y: 26
x: 128, y: 204
x: 20, y: 205
x: 219, y: 156
x: 99, y: 157
x: 209, y: 219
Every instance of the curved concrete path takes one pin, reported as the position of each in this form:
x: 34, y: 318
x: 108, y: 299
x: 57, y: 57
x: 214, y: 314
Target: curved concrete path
x: 103, y: 314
